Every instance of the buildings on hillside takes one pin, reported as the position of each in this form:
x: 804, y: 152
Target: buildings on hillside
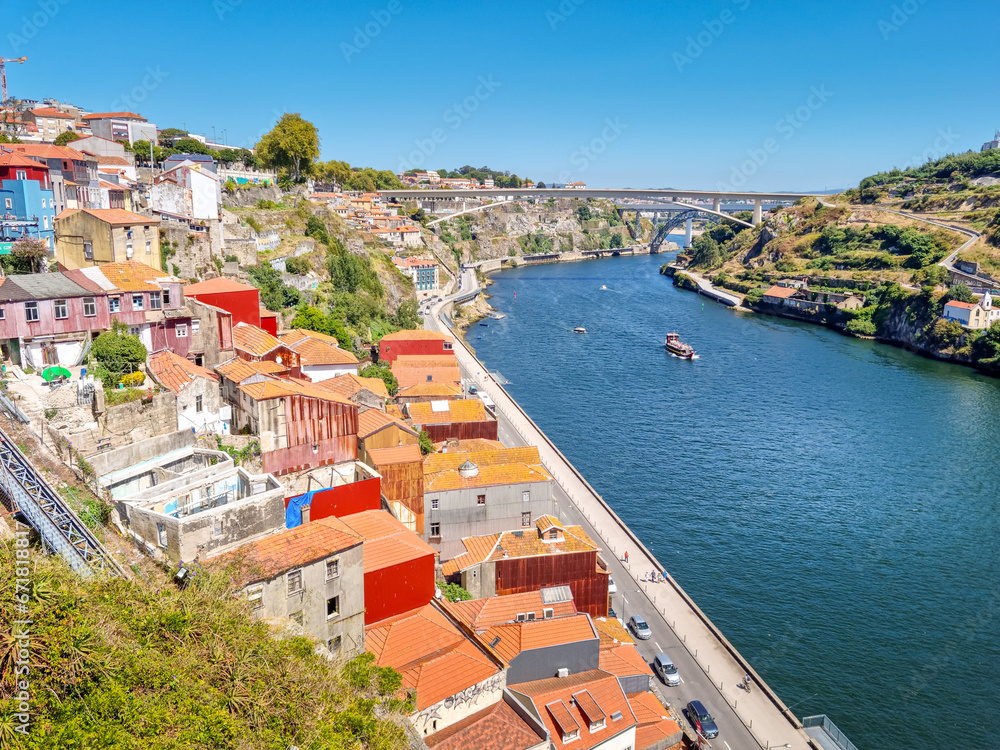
x: 91, y: 237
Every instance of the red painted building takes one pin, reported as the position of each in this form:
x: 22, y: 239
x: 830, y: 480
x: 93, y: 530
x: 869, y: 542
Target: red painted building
x: 399, y: 565
x: 19, y: 167
x: 340, y: 500
x: 239, y: 299
x: 414, y: 343
x: 269, y: 321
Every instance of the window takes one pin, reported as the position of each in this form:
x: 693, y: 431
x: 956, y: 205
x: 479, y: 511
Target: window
x: 137, y: 302
x: 531, y: 617
x: 45, y: 222
x: 448, y: 346
x: 3, y: 313
x: 149, y: 247
x: 199, y: 406
x: 128, y: 251
x: 519, y: 617
x: 115, y: 304
x: 525, y: 520
x: 548, y: 613
x: 88, y: 250
x: 526, y: 496
x: 135, y: 331
x: 62, y: 309
x: 296, y: 617
x: 293, y: 580
x: 596, y: 725
x: 435, y: 503
x: 573, y: 735
x: 89, y: 307
x: 255, y: 595
x: 216, y: 523
x: 480, y: 499
x: 31, y: 311
x: 332, y: 607
x: 161, y: 533
x: 435, y: 529
x: 195, y: 325
x: 8, y: 202
x: 154, y: 301
x: 181, y: 330
x: 21, y: 174
x: 166, y: 296
x: 334, y: 643
x: 333, y: 568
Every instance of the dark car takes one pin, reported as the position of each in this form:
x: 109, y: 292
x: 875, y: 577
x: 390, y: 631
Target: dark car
x: 702, y: 720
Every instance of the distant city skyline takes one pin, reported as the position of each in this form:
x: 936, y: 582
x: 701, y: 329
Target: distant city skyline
x: 732, y: 93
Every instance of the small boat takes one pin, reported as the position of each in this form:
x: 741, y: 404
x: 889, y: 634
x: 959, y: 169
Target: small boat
x: 498, y: 316
x: 603, y: 287
x: 678, y: 348
x: 579, y: 329
x: 485, y: 324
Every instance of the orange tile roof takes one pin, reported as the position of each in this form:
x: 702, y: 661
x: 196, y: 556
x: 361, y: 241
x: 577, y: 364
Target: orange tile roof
x: 458, y: 410
x: 435, y: 659
x: 624, y: 660
x: 407, y: 376
x: 348, y: 384
x: 394, y: 411
x: 281, y: 387
x: 612, y: 632
x: 496, y: 467
x: 115, y: 160
x: 654, y: 722
x: 110, y: 115
x: 558, y: 701
x: 424, y: 360
x: 9, y: 159
x: 962, y: 305
x: 317, y: 348
x: 471, y: 445
x: 516, y: 637
x: 239, y: 369
x: 113, y: 216
x: 46, y: 151
x: 783, y: 292
x: 497, y: 727
x: 402, y: 454
x: 275, y: 554
x: 424, y: 390
x: 373, y: 420
x: 50, y: 112
x: 520, y: 543
x: 387, y: 541
x: 133, y: 276
x: 175, y: 372
x: 256, y: 341
x: 216, y: 286
x: 480, y: 614
x: 417, y: 335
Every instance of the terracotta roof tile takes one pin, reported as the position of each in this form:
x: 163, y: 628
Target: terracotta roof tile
x: 275, y: 554
x: 418, y: 335
x: 387, y: 541
x: 239, y: 370
x: 281, y: 387
x: 612, y: 632
x: 113, y: 216
x: 349, y: 384
x: 516, y: 637
x: 623, y: 660
x: 654, y: 722
x: 481, y: 614
x: 431, y: 653
x: 782, y: 292
x: 442, y: 390
x: 373, y: 420
x: 961, y: 305
x: 403, y: 454
x: 254, y: 340
x: 113, y: 160
x: 448, y: 411
x: 50, y: 112
x: 497, y: 727
x: 133, y: 276
x: 9, y: 159
x: 317, y: 348
x: 520, y: 543
x: 407, y: 376
x: 496, y: 467
x: 175, y: 372
x: 424, y: 360
x: 110, y: 115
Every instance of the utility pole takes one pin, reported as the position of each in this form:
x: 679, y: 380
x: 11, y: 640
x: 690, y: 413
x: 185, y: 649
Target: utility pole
x: 3, y: 75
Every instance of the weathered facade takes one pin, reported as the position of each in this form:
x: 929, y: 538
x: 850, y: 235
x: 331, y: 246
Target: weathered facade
x: 92, y: 237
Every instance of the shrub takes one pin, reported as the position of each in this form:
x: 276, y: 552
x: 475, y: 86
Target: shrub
x: 133, y: 380
x: 453, y: 592
x: 426, y: 445
x: 380, y: 371
x: 861, y: 326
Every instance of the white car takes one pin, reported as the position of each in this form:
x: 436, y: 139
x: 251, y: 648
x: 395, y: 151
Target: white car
x: 612, y: 586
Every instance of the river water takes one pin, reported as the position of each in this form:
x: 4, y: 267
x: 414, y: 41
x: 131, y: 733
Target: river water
x: 831, y: 503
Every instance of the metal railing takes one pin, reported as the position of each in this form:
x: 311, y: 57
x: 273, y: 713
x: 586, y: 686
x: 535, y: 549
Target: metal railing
x: 60, y: 529
x: 822, y: 720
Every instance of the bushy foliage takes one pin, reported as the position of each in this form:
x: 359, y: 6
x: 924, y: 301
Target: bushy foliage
x: 274, y: 293
x: 426, y: 446
x: 535, y: 244
x: 142, y: 665
x: 133, y: 380
x: 117, y: 353
x: 313, y: 319
x: 300, y: 265
x: 453, y: 592
x: 385, y: 374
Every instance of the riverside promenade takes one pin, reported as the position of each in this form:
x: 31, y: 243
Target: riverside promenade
x: 711, y: 667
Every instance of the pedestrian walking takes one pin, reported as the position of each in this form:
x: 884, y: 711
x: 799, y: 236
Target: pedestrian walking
x: 626, y: 555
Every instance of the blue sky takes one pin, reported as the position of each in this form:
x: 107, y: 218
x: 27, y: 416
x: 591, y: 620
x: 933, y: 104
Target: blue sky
x: 742, y: 93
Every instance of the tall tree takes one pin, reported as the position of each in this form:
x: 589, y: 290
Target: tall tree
x: 292, y: 144
x: 68, y: 137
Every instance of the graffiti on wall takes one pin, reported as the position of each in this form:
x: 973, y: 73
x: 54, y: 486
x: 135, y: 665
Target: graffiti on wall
x: 471, y: 696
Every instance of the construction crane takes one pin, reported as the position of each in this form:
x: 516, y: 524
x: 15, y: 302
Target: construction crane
x: 3, y: 75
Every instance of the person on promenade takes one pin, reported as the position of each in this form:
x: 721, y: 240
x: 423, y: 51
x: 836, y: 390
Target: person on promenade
x: 626, y: 556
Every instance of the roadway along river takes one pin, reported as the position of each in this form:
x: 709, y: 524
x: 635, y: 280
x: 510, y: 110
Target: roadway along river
x: 831, y: 503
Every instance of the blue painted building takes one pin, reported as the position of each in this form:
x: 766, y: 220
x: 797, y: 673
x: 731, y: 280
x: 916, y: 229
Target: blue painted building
x: 26, y: 209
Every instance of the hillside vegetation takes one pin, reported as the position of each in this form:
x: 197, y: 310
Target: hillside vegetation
x: 145, y: 665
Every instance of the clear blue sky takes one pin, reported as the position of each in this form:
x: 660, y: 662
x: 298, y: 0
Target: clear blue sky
x: 693, y: 90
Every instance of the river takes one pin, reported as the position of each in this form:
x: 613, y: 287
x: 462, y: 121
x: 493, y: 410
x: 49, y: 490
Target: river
x: 831, y: 503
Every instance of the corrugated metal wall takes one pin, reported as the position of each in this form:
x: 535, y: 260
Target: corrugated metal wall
x: 462, y: 431
x: 399, y: 588
x: 404, y: 483
x: 319, y: 433
x: 578, y: 570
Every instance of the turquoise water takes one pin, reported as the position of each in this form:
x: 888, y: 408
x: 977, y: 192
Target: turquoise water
x: 831, y: 503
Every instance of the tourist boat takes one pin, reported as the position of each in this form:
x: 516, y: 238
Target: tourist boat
x: 498, y: 316
x: 579, y: 329
x: 678, y: 348
x: 603, y: 287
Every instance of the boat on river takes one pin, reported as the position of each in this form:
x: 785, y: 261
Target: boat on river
x: 498, y: 316
x: 678, y: 348
x: 579, y: 329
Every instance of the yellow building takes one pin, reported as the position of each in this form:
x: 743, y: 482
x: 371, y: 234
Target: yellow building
x: 88, y: 237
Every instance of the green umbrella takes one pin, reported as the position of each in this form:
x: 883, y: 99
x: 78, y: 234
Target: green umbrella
x: 51, y: 373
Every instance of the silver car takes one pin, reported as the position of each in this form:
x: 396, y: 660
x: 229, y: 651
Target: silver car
x: 664, y: 667
x: 640, y: 628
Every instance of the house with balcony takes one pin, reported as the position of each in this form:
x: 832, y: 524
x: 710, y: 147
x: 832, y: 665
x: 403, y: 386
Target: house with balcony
x: 72, y: 174
x: 257, y: 345
x: 423, y: 271
x: 94, y: 237
x: 121, y: 126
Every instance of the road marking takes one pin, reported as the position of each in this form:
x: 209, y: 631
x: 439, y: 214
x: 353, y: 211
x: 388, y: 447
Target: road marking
x: 658, y: 647
x: 726, y: 744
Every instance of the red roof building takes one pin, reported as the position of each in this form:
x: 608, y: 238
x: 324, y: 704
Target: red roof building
x: 414, y: 342
x: 461, y: 419
x: 14, y: 166
x: 241, y: 300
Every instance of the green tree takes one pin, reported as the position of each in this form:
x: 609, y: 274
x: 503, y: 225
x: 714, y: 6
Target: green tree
x: 453, y: 592
x: 191, y: 146
x: 68, y: 137
x: 274, y: 293
x: 167, y: 136
x: 141, y: 151
x: 117, y: 353
x: 934, y: 275
x: 383, y: 372
x: 292, y: 145
x: 28, y: 254
x: 958, y: 293
x: 426, y: 444
x: 7, y: 138
x: 333, y: 171
x: 706, y: 252
x: 407, y: 315
x: 616, y: 240
x: 583, y: 213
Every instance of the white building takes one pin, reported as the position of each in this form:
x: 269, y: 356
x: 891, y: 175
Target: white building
x: 974, y: 315
x: 995, y: 143
x: 199, y: 400
x: 187, y: 190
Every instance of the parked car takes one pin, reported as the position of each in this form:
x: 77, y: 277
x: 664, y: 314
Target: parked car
x: 612, y: 586
x: 473, y: 390
x: 640, y: 628
x: 663, y: 665
x: 702, y: 720
x: 612, y: 614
